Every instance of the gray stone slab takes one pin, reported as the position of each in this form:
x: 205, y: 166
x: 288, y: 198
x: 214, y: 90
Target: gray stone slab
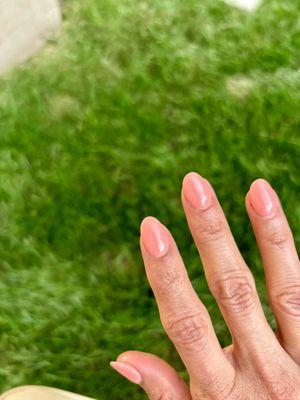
x: 25, y: 25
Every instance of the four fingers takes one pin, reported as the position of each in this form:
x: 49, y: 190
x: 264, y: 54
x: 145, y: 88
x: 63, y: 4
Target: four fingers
x: 280, y: 260
x: 185, y: 318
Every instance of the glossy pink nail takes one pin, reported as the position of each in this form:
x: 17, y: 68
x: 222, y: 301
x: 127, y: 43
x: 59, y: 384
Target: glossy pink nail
x: 263, y: 198
x: 197, y: 191
x: 154, y: 237
x: 127, y: 371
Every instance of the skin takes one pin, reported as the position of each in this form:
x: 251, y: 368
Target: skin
x: 260, y: 364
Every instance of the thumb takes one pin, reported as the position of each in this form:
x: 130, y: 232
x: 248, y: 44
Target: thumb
x: 159, y: 380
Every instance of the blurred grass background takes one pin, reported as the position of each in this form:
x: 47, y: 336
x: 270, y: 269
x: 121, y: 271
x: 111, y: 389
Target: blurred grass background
x: 96, y: 132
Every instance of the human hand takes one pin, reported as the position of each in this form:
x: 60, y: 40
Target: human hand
x: 260, y: 364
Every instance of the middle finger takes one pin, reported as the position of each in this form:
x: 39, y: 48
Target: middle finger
x: 227, y: 274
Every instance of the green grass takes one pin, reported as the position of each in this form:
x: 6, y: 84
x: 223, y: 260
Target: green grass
x: 96, y: 132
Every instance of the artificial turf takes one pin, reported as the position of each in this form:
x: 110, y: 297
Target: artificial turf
x: 96, y: 132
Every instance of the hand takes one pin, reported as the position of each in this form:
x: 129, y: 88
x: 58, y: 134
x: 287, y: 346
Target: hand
x: 260, y: 364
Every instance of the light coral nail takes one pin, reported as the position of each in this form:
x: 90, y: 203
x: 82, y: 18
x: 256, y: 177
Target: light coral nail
x: 263, y: 198
x: 197, y: 191
x: 127, y: 371
x: 154, y: 237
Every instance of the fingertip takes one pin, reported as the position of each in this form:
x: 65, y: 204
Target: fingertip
x: 146, y: 363
x: 127, y: 371
x: 262, y: 198
x: 154, y: 237
x: 196, y: 191
x: 258, y: 181
x: 148, y: 220
x: 191, y: 175
x: 126, y: 356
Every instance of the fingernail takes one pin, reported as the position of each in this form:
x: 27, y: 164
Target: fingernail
x: 197, y: 191
x: 154, y: 237
x: 263, y: 198
x: 127, y: 371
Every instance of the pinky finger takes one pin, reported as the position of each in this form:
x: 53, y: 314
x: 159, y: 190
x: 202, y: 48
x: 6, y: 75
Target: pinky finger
x: 159, y: 380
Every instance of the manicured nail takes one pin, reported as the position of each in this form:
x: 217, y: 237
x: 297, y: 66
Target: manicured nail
x: 154, y: 237
x: 127, y: 371
x: 263, y: 198
x: 197, y: 191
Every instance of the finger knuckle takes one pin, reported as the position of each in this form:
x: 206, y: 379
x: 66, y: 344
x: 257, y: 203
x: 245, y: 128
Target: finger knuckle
x: 236, y: 293
x: 169, y: 282
x: 288, y: 300
x: 283, y: 391
x: 210, y: 230
x: 280, y: 387
x: 188, y: 331
x: 278, y: 236
x: 218, y: 388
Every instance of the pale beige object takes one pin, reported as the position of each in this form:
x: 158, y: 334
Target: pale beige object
x: 40, y: 393
x: 24, y: 27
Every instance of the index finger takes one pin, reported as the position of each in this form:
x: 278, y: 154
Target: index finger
x: 183, y: 315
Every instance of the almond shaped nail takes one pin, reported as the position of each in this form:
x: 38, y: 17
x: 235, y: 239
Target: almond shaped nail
x: 197, y: 191
x: 128, y: 371
x: 263, y: 198
x: 154, y: 236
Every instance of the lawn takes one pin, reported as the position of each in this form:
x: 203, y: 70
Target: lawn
x: 96, y: 132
